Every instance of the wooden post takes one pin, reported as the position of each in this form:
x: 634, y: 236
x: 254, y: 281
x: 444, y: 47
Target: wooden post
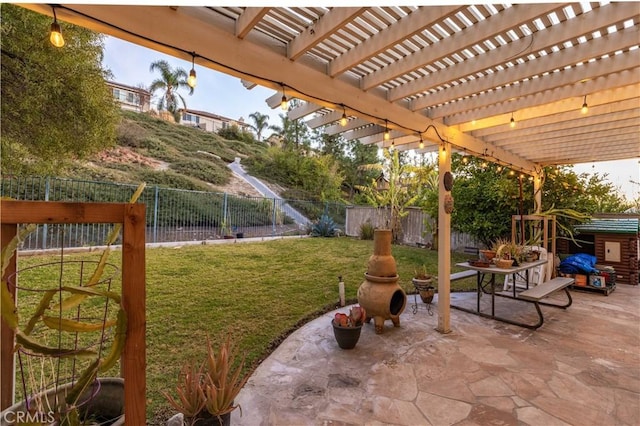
x: 133, y: 361
x: 444, y: 244
x: 7, y: 336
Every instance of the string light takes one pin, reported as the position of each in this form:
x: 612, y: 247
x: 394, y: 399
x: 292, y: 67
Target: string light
x: 387, y: 135
x: 465, y: 160
x: 192, y: 80
x: 513, y: 122
x: 55, y: 35
x: 343, y: 120
x: 284, y: 104
x: 499, y: 169
x: 421, y: 144
x: 585, y: 107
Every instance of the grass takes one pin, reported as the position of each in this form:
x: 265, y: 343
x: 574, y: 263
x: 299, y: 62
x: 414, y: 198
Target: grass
x: 258, y: 292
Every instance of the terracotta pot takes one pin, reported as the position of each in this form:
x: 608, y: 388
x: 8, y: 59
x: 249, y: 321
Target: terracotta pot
x: 347, y: 337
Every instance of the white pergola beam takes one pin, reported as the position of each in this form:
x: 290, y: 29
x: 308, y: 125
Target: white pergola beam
x: 387, y: 38
x: 488, y: 28
x: 324, y: 119
x: 546, y: 64
x: 354, y: 123
x: 541, y: 40
x: 248, y: 20
x: 564, y: 122
x: 549, y: 102
x: 328, y: 24
x: 362, y: 132
x: 587, y: 133
x: 303, y: 110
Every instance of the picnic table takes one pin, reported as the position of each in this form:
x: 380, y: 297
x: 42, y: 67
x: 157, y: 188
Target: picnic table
x: 486, y: 284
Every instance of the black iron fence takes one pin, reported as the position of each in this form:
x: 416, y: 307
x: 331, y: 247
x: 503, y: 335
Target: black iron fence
x: 172, y: 214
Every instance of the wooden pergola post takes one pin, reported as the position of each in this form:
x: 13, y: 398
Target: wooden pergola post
x: 133, y: 220
x: 444, y: 243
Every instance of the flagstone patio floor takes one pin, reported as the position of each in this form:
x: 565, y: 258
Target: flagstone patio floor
x: 582, y: 367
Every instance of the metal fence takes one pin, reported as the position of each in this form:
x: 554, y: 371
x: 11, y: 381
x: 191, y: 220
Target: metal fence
x: 172, y: 214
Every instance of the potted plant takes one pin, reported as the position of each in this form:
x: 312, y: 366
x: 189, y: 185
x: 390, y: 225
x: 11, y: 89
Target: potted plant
x: 422, y: 282
x: 206, y: 391
x: 346, y: 328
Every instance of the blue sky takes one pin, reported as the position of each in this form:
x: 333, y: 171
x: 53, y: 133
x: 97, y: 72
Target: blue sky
x: 221, y: 94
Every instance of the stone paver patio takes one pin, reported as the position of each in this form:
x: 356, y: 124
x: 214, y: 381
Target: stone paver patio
x: 582, y: 367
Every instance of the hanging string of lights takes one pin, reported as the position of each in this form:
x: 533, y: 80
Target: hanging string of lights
x: 284, y: 104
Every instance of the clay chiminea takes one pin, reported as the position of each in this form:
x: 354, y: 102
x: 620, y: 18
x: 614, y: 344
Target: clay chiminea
x: 379, y: 293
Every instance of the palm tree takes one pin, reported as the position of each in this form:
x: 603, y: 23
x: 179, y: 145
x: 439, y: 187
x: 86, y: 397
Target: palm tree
x: 170, y: 81
x: 260, y: 123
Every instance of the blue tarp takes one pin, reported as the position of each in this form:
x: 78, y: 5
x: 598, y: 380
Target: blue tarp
x: 580, y: 263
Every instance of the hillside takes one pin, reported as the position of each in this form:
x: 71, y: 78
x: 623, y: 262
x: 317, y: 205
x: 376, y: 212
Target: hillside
x: 164, y: 153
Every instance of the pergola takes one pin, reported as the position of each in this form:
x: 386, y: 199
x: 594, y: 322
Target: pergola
x: 453, y: 77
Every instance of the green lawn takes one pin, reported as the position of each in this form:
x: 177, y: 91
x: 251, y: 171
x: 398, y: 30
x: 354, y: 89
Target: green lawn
x: 258, y: 292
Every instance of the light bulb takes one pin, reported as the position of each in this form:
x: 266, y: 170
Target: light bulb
x: 343, y: 120
x: 56, y: 34
x: 284, y: 104
x: 465, y: 160
x: 512, y: 123
x: 191, y: 81
x: 421, y: 145
x: 585, y: 107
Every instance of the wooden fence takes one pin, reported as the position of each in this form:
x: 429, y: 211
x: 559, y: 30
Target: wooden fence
x: 414, y: 229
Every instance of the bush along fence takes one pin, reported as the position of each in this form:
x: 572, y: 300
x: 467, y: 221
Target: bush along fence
x: 173, y: 215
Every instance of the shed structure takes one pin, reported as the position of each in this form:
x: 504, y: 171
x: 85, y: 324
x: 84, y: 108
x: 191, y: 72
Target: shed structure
x: 616, y: 243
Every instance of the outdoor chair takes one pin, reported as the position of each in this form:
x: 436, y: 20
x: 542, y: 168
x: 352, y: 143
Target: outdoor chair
x: 537, y: 275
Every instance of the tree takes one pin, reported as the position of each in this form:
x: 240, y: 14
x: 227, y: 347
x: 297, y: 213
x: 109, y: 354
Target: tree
x: 293, y: 133
x: 260, y: 123
x: 425, y: 185
x: 170, y: 81
x: 486, y: 196
x: 56, y: 105
x: 394, y: 196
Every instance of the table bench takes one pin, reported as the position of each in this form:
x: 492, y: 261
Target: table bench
x: 462, y: 275
x: 533, y: 295
x: 539, y: 292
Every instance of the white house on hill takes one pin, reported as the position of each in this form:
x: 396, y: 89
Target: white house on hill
x: 209, y: 121
x: 130, y: 98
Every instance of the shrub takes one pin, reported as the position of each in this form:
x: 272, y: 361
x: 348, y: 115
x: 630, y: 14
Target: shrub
x: 366, y: 231
x: 131, y: 134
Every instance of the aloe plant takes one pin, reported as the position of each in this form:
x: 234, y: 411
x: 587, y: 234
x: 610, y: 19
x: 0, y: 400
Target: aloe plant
x: 210, y: 389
